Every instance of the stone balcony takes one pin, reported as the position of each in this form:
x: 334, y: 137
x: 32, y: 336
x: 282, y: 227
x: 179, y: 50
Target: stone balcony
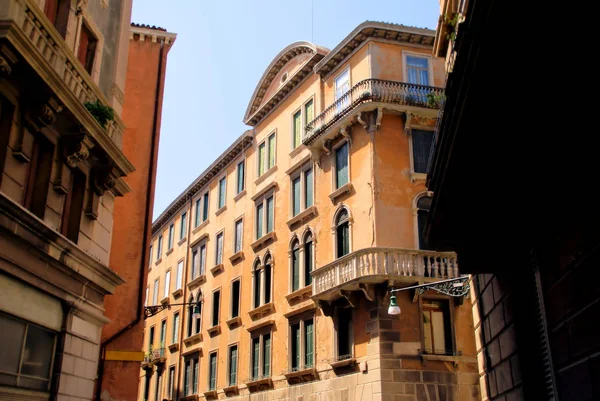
x: 362, y: 269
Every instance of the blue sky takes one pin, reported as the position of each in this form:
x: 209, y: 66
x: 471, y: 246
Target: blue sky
x: 222, y: 50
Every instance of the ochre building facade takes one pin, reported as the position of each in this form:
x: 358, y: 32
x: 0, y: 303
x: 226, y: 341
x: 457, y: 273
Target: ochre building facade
x: 283, y: 251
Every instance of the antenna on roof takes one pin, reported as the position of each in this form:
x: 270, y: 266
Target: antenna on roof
x: 312, y: 21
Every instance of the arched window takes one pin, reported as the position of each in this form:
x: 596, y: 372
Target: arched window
x: 256, y: 290
x: 267, y: 284
x: 423, y: 206
x: 295, y: 254
x: 190, y: 322
x: 342, y: 233
x: 308, y: 258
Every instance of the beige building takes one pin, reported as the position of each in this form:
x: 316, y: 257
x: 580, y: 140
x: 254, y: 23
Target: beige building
x: 62, y: 63
x: 269, y: 276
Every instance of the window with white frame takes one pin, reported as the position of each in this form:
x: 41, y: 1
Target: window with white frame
x: 241, y: 167
x: 417, y: 70
x: 179, y: 282
x: 342, y: 176
x: 266, y: 154
x: 302, y: 343
x: 260, y: 357
x: 219, y: 249
x: 167, y: 286
x: 303, y: 188
x: 171, y: 232
x: 155, y: 293
x: 421, y: 148
x: 198, y: 260
x: 261, y: 282
x: 222, y: 191
x: 342, y: 86
x: 265, y: 214
x: 342, y: 233
x: 239, y: 234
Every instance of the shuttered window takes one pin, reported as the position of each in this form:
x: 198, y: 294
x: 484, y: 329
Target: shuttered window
x: 341, y: 166
x: 296, y: 196
x: 219, y: 253
x: 179, y: 283
x: 202, y: 259
x: 240, y: 176
x: 198, y: 215
x: 272, y: 150
x: 167, y: 287
x: 267, y: 355
x: 233, y: 357
x: 205, y: 207
x: 235, y: 298
x: 309, y: 343
x: 421, y: 147
x: 175, y: 328
x: 183, y: 226
x: 255, y: 357
x: 259, y: 221
x: 215, y: 312
x: 296, y: 346
x: 222, y: 189
x: 159, y: 247
x: 212, y: 382
x: 308, y: 188
x: 343, y: 234
x: 295, y: 266
x: 261, y: 158
x: 309, y: 112
x: 195, y: 377
x: 239, y: 226
x: 195, y: 263
x: 270, y: 214
x: 297, y: 129
x: 171, y: 232
x: 257, y: 280
x: 308, y: 259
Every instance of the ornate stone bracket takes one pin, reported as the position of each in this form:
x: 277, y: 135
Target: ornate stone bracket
x: 44, y: 114
x: 5, y: 68
x: 77, y: 149
x: 379, y: 117
x: 414, y: 120
x: 102, y: 179
x: 345, y: 132
x: 7, y: 60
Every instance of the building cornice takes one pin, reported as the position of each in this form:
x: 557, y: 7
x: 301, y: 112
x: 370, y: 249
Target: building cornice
x: 154, y: 34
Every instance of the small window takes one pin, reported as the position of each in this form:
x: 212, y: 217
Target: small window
x: 270, y: 214
x: 155, y: 293
x: 87, y: 48
x: 296, y: 196
x: 179, y: 283
x: 190, y: 378
x: 222, y: 191
x: 341, y: 166
x: 198, y: 260
x: 167, y: 286
x: 295, y: 265
x: 417, y: 69
x: 261, y: 158
x: 257, y: 275
x: 205, y: 206
x: 159, y: 247
x: 197, y: 213
x: 342, y: 233
x: 215, y: 307
x: 239, y: 233
x: 219, y: 250
x: 240, y: 176
x: 235, y: 298
x: 343, y: 333
x: 308, y: 258
x: 212, y: 374
x: 171, y: 385
x: 267, y: 284
x: 183, y: 226
x: 423, y: 206
x: 175, y: 332
x: 262, y: 282
x: 73, y: 206
x: 421, y: 148
x: 171, y: 232
x: 259, y: 220
x: 233, y: 362
x: 309, y: 112
x: 296, y: 129
x: 163, y: 333
x: 302, y: 189
x: 437, y: 332
x: 266, y: 154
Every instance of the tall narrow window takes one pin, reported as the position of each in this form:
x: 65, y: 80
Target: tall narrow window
x: 197, y: 213
x: 163, y: 333
x: 235, y: 299
x: 205, y: 206
x: 295, y: 266
x: 423, y: 206
x: 239, y: 226
x: 171, y: 232
x: 296, y: 346
x: 437, y: 335
x: 87, y: 48
x: 342, y: 233
x: 308, y: 188
x: 266, y: 365
x: 183, y: 226
x: 421, y: 147
x: 198, y: 319
x: 159, y: 247
x: 417, y: 69
x: 297, y: 129
x: 147, y: 296
x: 257, y: 284
x: 270, y: 214
x: 187, y: 378
x: 222, y: 191
x: 309, y: 112
x: 341, y: 166
x: 74, y: 206
x: 170, y: 392
x: 233, y: 358
x: 309, y: 346
x: 167, y: 287
x: 202, y: 259
x: 212, y: 375
x: 175, y: 332
x: 259, y: 220
x: 190, y: 318
x: 219, y: 253
x: 342, y: 86
x: 215, y: 306
x: 155, y: 293
x: 195, y: 262
x: 240, y: 176
x: 296, y: 196
x: 179, y: 283
x: 195, y: 376
x: 308, y: 258
x: 150, y: 256
x: 57, y: 12
x: 151, y: 339
x: 261, y: 158
x: 271, y: 151
x: 301, y: 344
x: 343, y: 329
x: 255, y: 358
x: 39, y: 176
x: 267, y: 284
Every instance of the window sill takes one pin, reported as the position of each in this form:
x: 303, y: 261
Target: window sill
x: 196, y: 282
x: 174, y: 347
x: 170, y: 251
x: 158, y: 261
x: 312, y: 371
x: 263, y: 381
x: 343, y: 362
x: 236, y: 256
x: 211, y: 394
x: 231, y: 389
x: 266, y: 174
x: 303, y: 215
x: 263, y: 192
x: 256, y: 245
x: 418, y: 176
x: 221, y: 210
x: 217, y: 269
x: 193, y: 397
x: 262, y: 311
x: 239, y: 196
x: 448, y: 358
x: 182, y: 241
x: 234, y: 321
x: 193, y: 339
x: 177, y: 293
x: 304, y: 292
x: 201, y: 238
x: 344, y: 189
x: 200, y: 226
x: 298, y: 149
x: 300, y: 163
x: 165, y: 300
x: 213, y: 331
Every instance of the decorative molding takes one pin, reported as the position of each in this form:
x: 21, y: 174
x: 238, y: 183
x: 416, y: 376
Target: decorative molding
x: 117, y: 93
x: 76, y: 148
x: 5, y: 68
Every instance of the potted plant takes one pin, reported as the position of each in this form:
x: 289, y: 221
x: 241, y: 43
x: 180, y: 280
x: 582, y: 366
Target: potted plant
x: 102, y: 113
x: 451, y: 24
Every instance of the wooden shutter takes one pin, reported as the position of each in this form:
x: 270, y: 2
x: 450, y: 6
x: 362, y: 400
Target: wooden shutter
x: 297, y: 128
x: 270, y: 214
x: 296, y: 340
x: 195, y: 263
x: 233, y: 366
x: 309, y: 343
x: 238, y: 235
x: 267, y: 355
x: 202, y: 259
x: 175, y: 328
x: 271, y: 150
x: 183, y: 226
x: 39, y: 179
x: 255, y: 357
x: 341, y: 165
x: 296, y: 196
x: 308, y: 188
x: 195, y: 377
x: 187, y: 377
x: 167, y: 284
x: 295, y: 268
x: 222, y: 185
x: 197, y: 221
x: 259, y: 221
x: 309, y: 112
x: 219, y: 249
x: 205, y: 207
x: 261, y: 159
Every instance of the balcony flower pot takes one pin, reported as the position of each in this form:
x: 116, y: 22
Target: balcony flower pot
x: 102, y: 113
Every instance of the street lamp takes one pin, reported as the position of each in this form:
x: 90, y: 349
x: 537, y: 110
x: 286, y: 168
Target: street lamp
x: 454, y: 287
x: 152, y: 310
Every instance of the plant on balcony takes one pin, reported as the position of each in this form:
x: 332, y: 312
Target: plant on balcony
x: 365, y: 95
x: 451, y: 24
x: 434, y: 100
x: 102, y: 113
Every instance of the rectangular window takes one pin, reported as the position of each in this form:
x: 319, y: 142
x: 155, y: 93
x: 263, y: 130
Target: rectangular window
x: 167, y: 284
x: 296, y: 268
x: 198, y: 215
x: 295, y: 347
x: 212, y: 374
x: 343, y: 333
x: 271, y: 151
x: 147, y: 296
x: 171, y: 232
x: 309, y: 343
x: 150, y: 256
x: 259, y: 220
x: 261, y: 158
x: 151, y: 339
x: 39, y: 176
x: 170, y: 392
x: 215, y: 305
x: 421, y: 147
x: 219, y: 253
x: 27, y: 354
x: 183, y: 226
x: 308, y: 188
x: 179, y: 283
x: 266, y: 365
x: 235, y: 299
x: 159, y: 248
x: 255, y: 358
x: 174, y: 336
x: 155, y: 294
x: 202, y: 258
x: 190, y: 378
x: 308, y: 260
x: 57, y: 12
x: 301, y: 345
x: 205, y: 206
x: 341, y: 166
x: 74, y: 206
x: 195, y: 376
x: 270, y: 214
x: 239, y: 231
x: 233, y: 358
x: 261, y: 355
x: 342, y: 86
x: 222, y: 191
x: 296, y: 129
x: 309, y: 112
x: 296, y: 195
x: 417, y: 69
x: 87, y: 48
x: 240, y: 176
x: 195, y: 262
x: 437, y: 334
x: 163, y: 333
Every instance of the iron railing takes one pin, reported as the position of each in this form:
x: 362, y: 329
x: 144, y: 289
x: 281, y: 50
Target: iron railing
x: 374, y: 90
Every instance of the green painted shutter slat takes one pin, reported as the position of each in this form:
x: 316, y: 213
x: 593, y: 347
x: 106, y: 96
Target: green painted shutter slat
x: 271, y: 151
x: 297, y: 128
x: 213, y: 372
x: 295, y: 269
x: 259, y: 221
x: 261, y: 159
x: 197, y: 221
x: 270, y: 214
x: 310, y: 112
x: 255, y: 358
x: 267, y: 355
x: 187, y: 377
x: 309, y: 341
x: 175, y: 329
x: 240, y: 177
x: 308, y: 188
x: 205, y: 207
x: 296, y: 350
x: 341, y: 165
x: 233, y: 367
x: 195, y: 377
x: 296, y: 195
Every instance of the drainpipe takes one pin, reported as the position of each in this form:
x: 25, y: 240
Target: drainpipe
x: 144, y: 264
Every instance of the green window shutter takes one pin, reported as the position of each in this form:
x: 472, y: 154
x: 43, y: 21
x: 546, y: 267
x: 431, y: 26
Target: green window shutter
x: 309, y: 343
x: 195, y: 377
x: 240, y: 176
x: 219, y: 249
x: 233, y: 366
x: 187, y: 377
x: 182, y: 226
x: 202, y: 259
x: 255, y: 357
x: 222, y: 187
x: 197, y: 221
x: 238, y: 235
x: 296, y: 339
x: 296, y: 196
x: 175, y: 329
x: 267, y: 355
x: 259, y: 221
x: 272, y: 150
x: 297, y: 128
x: 308, y: 188
x: 341, y: 165
x: 270, y: 214
x: 163, y: 332
x: 213, y: 371
x: 205, y: 207
x: 261, y: 159
x: 171, y: 230
x: 309, y: 111
x: 295, y: 268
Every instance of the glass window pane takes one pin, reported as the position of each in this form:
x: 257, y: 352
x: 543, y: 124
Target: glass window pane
x: 309, y: 112
x: 11, y: 342
x: 38, y: 351
x: 308, y: 262
x: 295, y: 268
x: 175, y: 328
x: 167, y: 284
x: 233, y: 351
x: 308, y: 188
x: 202, y: 259
x: 238, y: 235
x: 219, y: 259
x: 255, y: 357
x: 341, y: 165
x: 240, y: 177
x: 295, y: 351
x: 261, y: 159
x: 183, y: 226
x: 179, y: 275
x: 259, y: 221
x: 197, y: 221
x: 270, y: 214
x: 235, y: 299
x: 297, y: 127
x: 309, y: 343
x: 296, y: 196
x: 421, y: 141
x: 222, y: 187
x: 267, y: 274
x: 267, y: 355
x: 205, y: 207
x: 272, y: 151
x: 257, y: 275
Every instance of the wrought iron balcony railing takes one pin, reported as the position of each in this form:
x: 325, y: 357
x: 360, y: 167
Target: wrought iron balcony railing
x: 373, y: 265
x: 374, y: 90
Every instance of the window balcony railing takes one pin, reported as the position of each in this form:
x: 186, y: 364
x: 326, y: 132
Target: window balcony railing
x: 377, y: 265
x: 158, y: 354
x: 373, y: 91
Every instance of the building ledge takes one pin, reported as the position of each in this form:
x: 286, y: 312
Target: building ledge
x: 193, y: 339
x: 343, y: 362
x: 199, y: 239
x: 265, y: 175
x: 304, y: 292
x: 213, y: 331
x: 164, y: 301
x: 306, y: 214
x: 236, y: 256
x: 174, y: 347
x: 301, y: 374
x: 234, y: 321
x: 211, y: 394
x: 237, y: 198
x: 217, y: 269
x: 262, y: 324
x: 193, y: 397
x: 196, y: 282
x: 263, y: 381
x: 177, y: 293
x: 231, y: 389
x: 262, y: 311
x: 200, y: 226
x: 170, y: 251
x: 197, y: 349
x: 221, y: 210
x: 308, y: 307
x: 414, y: 177
x: 158, y: 261
x: 448, y: 358
x: 262, y: 241
x: 182, y: 241
x: 344, y: 189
